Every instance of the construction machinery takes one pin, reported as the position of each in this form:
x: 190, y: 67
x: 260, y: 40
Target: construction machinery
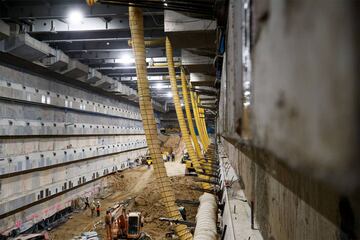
x: 134, y: 225
x: 189, y: 167
x: 126, y: 225
x: 149, y: 161
x: 146, y: 160
x: 185, y: 158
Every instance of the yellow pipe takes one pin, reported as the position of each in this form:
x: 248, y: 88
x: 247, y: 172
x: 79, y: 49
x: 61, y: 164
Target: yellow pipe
x: 202, y: 120
x: 151, y: 43
x: 159, y: 64
x: 188, y: 114
x: 180, y: 116
x: 179, y: 113
x: 202, y: 114
x: 149, y: 123
x: 197, y: 121
x: 91, y: 2
x: 207, y: 168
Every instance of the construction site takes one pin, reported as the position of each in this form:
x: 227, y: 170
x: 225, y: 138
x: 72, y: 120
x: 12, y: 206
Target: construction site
x: 176, y: 119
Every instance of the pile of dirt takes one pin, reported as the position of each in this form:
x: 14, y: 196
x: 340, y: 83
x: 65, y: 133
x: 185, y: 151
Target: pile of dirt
x: 150, y: 205
x: 172, y: 141
x: 126, y: 184
x: 139, y: 184
x: 169, y: 143
x: 163, y: 138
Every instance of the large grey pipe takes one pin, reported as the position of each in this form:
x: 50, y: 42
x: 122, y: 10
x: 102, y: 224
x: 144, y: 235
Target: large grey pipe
x: 206, y: 218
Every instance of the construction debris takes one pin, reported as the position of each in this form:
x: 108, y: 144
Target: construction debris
x: 138, y: 184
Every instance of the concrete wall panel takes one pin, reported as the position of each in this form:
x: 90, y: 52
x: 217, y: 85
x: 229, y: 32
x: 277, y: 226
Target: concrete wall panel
x: 44, y: 150
x: 306, y: 88
x: 287, y: 204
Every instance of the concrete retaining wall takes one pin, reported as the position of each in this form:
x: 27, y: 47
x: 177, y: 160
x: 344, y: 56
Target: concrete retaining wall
x: 51, y: 151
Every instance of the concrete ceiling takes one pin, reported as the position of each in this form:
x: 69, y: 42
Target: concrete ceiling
x: 100, y: 39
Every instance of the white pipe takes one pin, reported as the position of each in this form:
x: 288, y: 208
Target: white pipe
x: 206, y: 218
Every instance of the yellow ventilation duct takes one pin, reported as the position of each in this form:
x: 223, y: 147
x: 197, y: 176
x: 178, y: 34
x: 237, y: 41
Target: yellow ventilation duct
x: 91, y: 2
x: 199, y: 125
x: 202, y: 119
x: 151, y: 43
x: 205, y: 164
x: 147, y: 114
x: 200, y: 170
x: 179, y: 113
x: 188, y: 114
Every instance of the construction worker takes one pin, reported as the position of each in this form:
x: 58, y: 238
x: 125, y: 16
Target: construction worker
x: 108, y: 220
x: 98, y: 208
x: 92, y: 208
x: 122, y: 224
x: 182, y: 212
x: 86, y: 203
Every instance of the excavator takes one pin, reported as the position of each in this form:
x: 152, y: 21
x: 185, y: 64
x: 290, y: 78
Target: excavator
x: 189, y: 168
x: 126, y: 225
x: 146, y: 160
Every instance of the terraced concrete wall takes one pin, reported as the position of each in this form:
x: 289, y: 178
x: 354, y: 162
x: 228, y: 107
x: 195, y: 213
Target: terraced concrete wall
x: 56, y: 144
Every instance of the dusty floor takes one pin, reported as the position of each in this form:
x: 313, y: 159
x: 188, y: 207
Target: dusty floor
x: 135, y: 183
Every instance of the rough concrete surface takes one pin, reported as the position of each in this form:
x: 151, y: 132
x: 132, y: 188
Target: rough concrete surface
x: 289, y: 205
x: 59, y: 162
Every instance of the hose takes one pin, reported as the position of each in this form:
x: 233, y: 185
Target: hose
x: 199, y: 126
x: 91, y: 2
x: 204, y: 163
x: 202, y: 118
x: 188, y: 114
x: 206, y: 218
x: 179, y: 113
x: 180, y: 116
x: 151, y: 43
x: 149, y: 123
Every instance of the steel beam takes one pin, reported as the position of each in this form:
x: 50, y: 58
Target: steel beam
x: 90, y: 24
x: 105, y: 35
x: 100, y: 54
x: 61, y: 9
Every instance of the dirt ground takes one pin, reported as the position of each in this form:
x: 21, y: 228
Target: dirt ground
x: 137, y: 183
